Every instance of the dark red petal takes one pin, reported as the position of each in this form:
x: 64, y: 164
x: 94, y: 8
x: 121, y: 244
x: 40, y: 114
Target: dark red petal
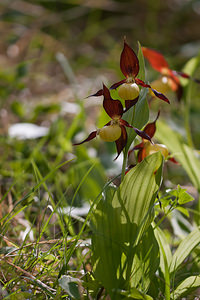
x: 175, y: 85
x: 142, y: 83
x: 125, y: 123
x: 151, y: 127
x: 156, y: 93
x: 129, y: 63
x: 91, y: 136
x: 141, y: 154
x: 179, y: 92
x: 121, y: 142
x: 172, y: 159
x: 99, y: 93
x: 184, y: 75
x: 113, y: 108
x: 155, y: 58
x: 115, y: 85
x: 130, y: 103
x: 142, y: 134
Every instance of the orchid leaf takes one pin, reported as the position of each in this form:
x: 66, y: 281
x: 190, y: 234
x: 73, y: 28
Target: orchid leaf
x: 141, y: 73
x: 186, y: 287
x: 164, y: 246
x: 119, y: 222
x: 146, y: 260
x: 184, y: 249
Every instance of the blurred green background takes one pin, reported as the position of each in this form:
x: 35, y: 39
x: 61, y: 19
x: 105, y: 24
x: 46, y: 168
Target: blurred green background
x: 53, y: 54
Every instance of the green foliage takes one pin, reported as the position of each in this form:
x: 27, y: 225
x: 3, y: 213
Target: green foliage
x: 186, y: 287
x: 183, y: 153
x: 45, y: 249
x: 184, y: 249
x: 120, y: 227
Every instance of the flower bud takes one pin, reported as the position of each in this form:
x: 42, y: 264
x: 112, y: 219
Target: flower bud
x: 129, y: 91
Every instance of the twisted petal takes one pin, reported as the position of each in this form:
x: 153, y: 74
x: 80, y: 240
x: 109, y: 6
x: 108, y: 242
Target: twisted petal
x: 129, y: 63
x: 91, y: 136
x: 113, y: 108
x: 156, y: 93
x: 98, y: 93
x: 117, y: 84
x: 141, y: 154
x: 184, y: 75
x: 156, y: 59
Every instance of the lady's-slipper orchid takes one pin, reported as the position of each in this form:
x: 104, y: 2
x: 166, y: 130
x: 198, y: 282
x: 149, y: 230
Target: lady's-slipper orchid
x: 128, y: 88
x: 146, y: 148
x: 115, y: 130
x: 169, y: 79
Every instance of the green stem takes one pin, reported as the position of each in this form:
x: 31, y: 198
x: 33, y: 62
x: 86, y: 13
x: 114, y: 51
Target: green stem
x: 124, y: 163
x: 126, y: 150
x: 187, y: 119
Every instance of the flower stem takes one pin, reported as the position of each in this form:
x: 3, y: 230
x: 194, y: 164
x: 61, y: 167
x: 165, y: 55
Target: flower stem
x: 124, y: 163
x: 187, y: 118
x: 125, y: 152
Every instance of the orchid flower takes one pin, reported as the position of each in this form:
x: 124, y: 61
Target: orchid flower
x: 169, y: 78
x: 146, y: 148
x: 128, y: 88
x: 114, y: 130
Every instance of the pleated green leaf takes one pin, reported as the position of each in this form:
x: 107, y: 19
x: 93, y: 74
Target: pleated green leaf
x: 186, y: 287
x: 139, y: 189
x: 120, y: 221
x: 146, y: 260
x: 163, y: 246
x: 184, y: 249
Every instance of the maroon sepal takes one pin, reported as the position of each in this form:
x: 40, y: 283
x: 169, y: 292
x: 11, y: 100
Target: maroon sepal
x: 142, y: 134
x: 113, y: 108
x: 172, y: 159
x: 125, y: 123
x: 91, y: 136
x: 117, y: 84
x: 129, y: 63
x: 184, y: 75
x: 142, y: 83
x: 150, y: 128
x: 97, y: 94
x: 155, y: 58
x: 179, y: 92
x: 130, y: 103
x: 121, y: 142
x: 141, y: 154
